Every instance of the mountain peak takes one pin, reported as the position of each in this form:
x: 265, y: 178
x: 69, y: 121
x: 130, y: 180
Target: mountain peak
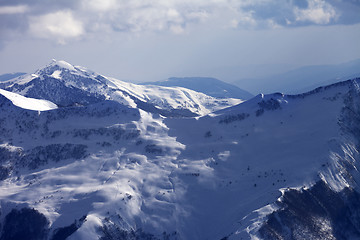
x: 67, y: 85
x: 55, y: 67
x: 62, y: 64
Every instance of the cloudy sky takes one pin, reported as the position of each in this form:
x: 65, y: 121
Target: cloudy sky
x: 147, y: 40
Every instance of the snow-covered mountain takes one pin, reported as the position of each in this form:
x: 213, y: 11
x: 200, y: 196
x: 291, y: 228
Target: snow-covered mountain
x: 8, y: 76
x: 210, y: 86
x: 68, y: 85
x: 100, y: 165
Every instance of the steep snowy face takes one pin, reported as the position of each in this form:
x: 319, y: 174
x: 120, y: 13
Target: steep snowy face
x: 330, y: 208
x: 271, y: 143
x: 68, y: 85
x: 28, y: 103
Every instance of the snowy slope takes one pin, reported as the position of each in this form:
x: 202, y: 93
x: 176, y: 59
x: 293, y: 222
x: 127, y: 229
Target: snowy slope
x: 251, y: 151
x: 108, y: 170
x: 68, y: 85
x: 210, y: 86
x: 28, y: 103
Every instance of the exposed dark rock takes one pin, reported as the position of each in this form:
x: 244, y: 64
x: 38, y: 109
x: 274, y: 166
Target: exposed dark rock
x: 152, y: 148
x: 271, y: 104
x: 57, y: 92
x: 232, y: 118
x: 26, y: 223
x: 315, y: 213
x: 111, y: 231
x: 4, y: 172
x: 41, y: 155
x: 64, y: 232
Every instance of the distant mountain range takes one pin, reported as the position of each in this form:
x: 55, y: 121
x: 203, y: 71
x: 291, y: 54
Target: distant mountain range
x: 8, y: 76
x: 303, y: 79
x: 209, y: 86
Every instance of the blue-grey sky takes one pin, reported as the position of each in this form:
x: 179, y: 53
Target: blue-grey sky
x: 147, y: 40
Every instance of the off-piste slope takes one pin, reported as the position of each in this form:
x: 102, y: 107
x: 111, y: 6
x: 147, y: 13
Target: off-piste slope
x: 105, y: 165
x: 253, y: 152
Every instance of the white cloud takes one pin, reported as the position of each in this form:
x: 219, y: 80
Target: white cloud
x: 246, y: 19
x: 200, y: 16
x: 144, y: 18
x: 100, y: 5
x: 177, y: 29
x: 173, y: 13
x: 318, y: 12
x: 152, y: 15
x: 103, y: 17
x: 176, y: 15
x: 60, y: 25
x: 14, y: 9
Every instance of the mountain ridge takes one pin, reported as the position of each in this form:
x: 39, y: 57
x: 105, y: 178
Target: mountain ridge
x: 210, y: 86
x: 304, y: 78
x: 67, y: 85
x: 8, y: 76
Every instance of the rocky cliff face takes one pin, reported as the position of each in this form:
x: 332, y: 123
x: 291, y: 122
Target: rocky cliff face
x: 328, y: 209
